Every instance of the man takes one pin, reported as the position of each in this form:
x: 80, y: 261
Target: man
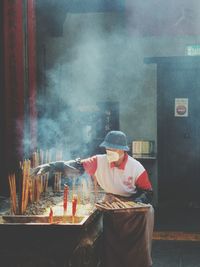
x: 127, y: 235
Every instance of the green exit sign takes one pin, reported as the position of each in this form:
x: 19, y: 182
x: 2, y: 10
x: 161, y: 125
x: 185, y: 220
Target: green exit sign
x: 193, y: 50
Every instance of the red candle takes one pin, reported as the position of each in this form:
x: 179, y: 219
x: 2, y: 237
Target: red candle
x: 74, y: 205
x: 65, y: 198
x: 51, y: 216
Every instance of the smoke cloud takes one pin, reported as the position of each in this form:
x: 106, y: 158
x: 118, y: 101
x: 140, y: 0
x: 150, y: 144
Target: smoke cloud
x: 99, y: 59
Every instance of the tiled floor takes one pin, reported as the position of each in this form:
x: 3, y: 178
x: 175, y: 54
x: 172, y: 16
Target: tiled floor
x: 176, y: 254
x: 168, y: 252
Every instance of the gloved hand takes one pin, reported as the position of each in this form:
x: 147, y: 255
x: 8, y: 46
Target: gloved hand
x: 69, y: 168
x: 39, y: 170
x: 144, y: 196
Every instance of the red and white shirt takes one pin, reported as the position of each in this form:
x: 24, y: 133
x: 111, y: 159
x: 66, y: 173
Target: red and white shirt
x: 121, y: 180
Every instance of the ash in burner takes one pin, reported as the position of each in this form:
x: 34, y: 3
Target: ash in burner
x: 47, y: 200
x: 4, y: 204
x: 50, y: 199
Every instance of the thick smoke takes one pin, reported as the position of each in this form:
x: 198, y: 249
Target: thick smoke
x: 164, y: 18
x: 92, y: 65
x: 99, y: 58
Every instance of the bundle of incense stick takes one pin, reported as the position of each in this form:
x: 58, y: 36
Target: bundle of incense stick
x: 119, y: 204
x: 47, y: 156
x: 57, y: 182
x: 13, y: 196
x: 41, y: 156
x: 45, y: 179
x: 31, y: 190
x: 37, y: 188
x: 24, y: 185
x: 35, y: 159
x: 44, y: 156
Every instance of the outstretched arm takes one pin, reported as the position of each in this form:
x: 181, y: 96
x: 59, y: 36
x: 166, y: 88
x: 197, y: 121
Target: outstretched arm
x: 69, y: 168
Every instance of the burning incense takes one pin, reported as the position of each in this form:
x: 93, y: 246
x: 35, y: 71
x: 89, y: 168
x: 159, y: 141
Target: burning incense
x: 25, y: 185
x: 35, y: 159
x: 45, y: 181
x: 12, y: 184
x: 41, y: 156
x: 31, y: 198
x: 37, y: 188
x: 48, y: 156
x: 24, y: 188
x: 57, y: 182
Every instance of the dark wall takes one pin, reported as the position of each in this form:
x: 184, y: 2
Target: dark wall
x: 178, y: 132
x: 1, y: 82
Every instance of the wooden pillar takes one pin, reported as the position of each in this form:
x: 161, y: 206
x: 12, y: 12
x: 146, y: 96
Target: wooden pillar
x: 1, y: 87
x: 32, y: 84
x: 19, y: 112
x: 13, y: 81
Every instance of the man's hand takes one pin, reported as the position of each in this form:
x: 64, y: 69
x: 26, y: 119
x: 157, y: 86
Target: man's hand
x: 39, y: 170
x: 144, y: 196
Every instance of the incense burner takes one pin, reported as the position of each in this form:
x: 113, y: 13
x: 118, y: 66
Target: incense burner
x: 67, y: 241
x: 44, y: 220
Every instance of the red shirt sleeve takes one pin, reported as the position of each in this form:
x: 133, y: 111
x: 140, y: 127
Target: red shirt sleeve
x: 143, y: 181
x: 90, y: 165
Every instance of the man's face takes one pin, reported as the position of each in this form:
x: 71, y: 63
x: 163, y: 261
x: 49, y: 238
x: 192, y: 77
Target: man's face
x: 114, y: 155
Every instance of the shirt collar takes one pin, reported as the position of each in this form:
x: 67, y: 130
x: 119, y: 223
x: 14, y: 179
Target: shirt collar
x: 123, y: 164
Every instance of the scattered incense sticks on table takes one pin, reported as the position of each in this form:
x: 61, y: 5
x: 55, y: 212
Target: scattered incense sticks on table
x: 117, y: 204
